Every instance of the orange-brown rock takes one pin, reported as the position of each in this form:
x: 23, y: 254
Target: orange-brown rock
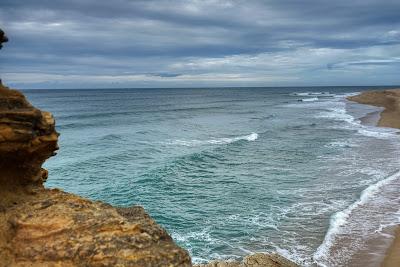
x: 27, y: 139
x: 254, y: 260
x: 42, y: 227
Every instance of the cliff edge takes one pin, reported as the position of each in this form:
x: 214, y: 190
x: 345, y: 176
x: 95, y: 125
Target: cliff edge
x: 43, y: 227
x: 48, y: 227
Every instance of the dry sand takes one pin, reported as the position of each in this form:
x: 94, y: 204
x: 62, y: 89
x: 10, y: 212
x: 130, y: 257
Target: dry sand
x: 389, y: 117
x: 388, y: 99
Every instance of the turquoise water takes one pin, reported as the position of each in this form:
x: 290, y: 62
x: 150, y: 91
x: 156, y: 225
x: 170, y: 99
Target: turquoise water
x: 230, y: 171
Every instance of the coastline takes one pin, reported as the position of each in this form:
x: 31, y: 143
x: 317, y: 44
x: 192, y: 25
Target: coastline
x: 49, y: 227
x: 389, y: 100
x: 392, y: 257
x: 41, y: 204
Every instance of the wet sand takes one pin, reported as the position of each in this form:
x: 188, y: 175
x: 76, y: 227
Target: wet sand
x: 388, y: 99
x: 389, y: 117
x: 371, y: 118
x: 392, y: 258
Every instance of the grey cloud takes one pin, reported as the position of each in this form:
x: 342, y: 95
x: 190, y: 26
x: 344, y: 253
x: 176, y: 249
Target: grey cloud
x: 361, y: 63
x: 166, y: 75
x: 150, y: 37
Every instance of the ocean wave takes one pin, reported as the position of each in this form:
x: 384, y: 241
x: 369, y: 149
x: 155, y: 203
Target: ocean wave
x: 379, y: 133
x: 345, y: 95
x: 336, y: 110
x: 202, y: 235
x: 217, y: 141
x: 339, y: 219
x: 291, y: 254
x: 311, y: 99
x: 312, y: 94
x: 111, y: 137
x: 341, y: 144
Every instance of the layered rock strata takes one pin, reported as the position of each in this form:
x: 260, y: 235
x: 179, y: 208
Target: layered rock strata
x: 42, y: 227
x: 48, y: 227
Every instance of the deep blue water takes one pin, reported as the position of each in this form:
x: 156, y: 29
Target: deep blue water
x: 229, y: 171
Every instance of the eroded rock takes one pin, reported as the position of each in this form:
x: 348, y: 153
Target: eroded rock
x: 42, y: 227
x: 254, y: 260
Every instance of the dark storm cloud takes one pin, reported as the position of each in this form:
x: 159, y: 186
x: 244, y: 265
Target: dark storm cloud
x: 185, y: 42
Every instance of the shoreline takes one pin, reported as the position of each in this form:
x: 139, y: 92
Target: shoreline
x: 389, y: 100
x: 392, y: 257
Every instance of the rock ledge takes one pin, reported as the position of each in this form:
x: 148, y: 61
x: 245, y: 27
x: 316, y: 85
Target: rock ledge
x: 42, y: 227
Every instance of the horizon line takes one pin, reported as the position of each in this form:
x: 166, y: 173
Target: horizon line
x: 204, y: 87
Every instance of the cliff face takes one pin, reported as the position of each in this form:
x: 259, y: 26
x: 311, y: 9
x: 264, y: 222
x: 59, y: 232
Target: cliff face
x: 27, y: 139
x: 42, y: 227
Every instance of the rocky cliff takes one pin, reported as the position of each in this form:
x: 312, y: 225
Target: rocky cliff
x: 42, y: 227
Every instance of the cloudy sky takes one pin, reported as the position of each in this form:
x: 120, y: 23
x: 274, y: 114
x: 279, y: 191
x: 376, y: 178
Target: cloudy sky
x: 196, y: 43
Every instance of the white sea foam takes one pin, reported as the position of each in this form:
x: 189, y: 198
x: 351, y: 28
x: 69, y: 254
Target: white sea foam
x: 339, y: 219
x: 346, y: 95
x: 384, y: 226
x: 312, y: 94
x: 217, y: 141
x: 311, y: 99
x: 341, y: 144
x: 336, y: 110
x: 378, y: 132
x: 292, y: 254
x: 204, y: 235
x: 186, y: 238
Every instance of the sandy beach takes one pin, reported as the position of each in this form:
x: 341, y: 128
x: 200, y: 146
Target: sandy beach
x: 388, y: 99
x: 389, y: 117
x: 392, y: 258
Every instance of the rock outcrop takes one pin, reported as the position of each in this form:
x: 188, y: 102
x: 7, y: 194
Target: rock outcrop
x: 27, y: 139
x: 254, y: 260
x: 42, y: 227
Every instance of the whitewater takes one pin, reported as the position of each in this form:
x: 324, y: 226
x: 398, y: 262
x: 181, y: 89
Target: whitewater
x: 232, y: 171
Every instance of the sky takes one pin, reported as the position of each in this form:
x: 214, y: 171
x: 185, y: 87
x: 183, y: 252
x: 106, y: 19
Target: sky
x: 199, y: 43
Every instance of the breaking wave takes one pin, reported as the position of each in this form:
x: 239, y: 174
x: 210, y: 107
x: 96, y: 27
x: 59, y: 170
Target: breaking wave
x: 311, y: 99
x: 217, y: 141
x: 312, y: 94
x: 339, y: 220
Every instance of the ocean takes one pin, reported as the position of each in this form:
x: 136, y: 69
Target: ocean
x: 231, y: 171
